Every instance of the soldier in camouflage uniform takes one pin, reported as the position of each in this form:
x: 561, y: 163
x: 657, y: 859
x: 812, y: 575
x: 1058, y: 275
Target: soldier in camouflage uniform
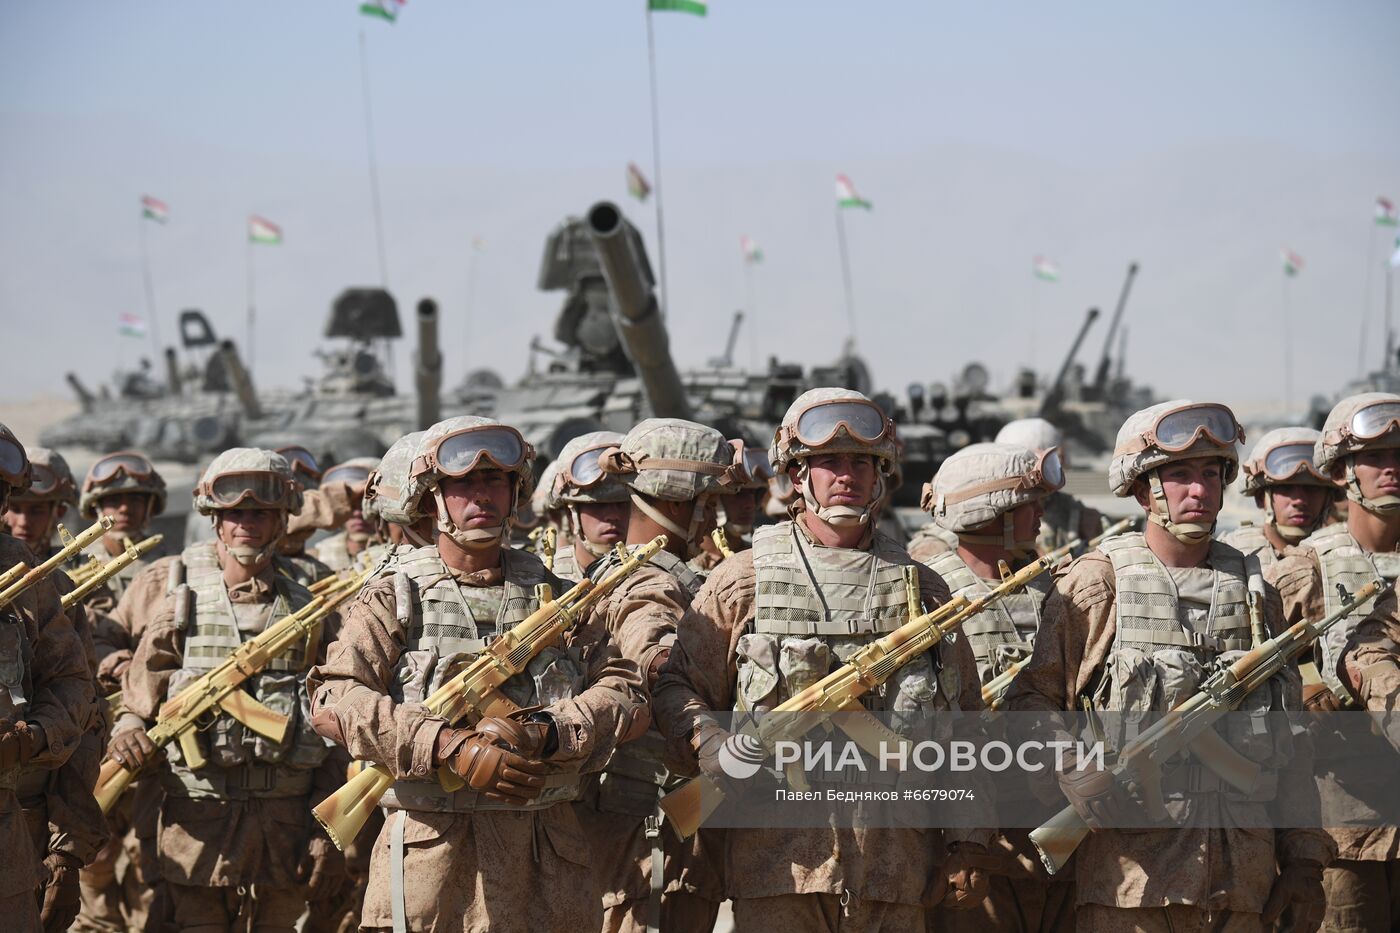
x: 341, y: 551
x: 738, y: 510
x: 127, y: 487
x: 1066, y: 518
x: 506, y: 851
x: 774, y: 619
x: 1132, y: 627
x: 1295, y: 497
x: 236, y: 842
x: 47, y: 704
x: 325, y: 507
x: 592, y: 507
x: 388, y: 503
x: 1359, y: 450
x: 669, y: 471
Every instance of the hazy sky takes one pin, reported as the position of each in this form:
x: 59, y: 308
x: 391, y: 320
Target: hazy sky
x: 1196, y: 138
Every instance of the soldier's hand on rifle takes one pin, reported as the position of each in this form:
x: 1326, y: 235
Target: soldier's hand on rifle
x: 133, y: 749
x: 322, y: 870
x: 966, y: 875
x: 1297, y: 891
x: 707, y: 741
x: 1095, y: 794
x: 1319, y: 698
x: 499, y: 758
x: 61, y: 899
x: 16, y: 743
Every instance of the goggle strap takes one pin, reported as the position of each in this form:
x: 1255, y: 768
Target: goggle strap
x: 689, y: 466
x: 995, y: 485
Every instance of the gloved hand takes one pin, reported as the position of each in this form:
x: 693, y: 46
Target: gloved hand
x: 1298, y: 891
x: 707, y: 742
x: 16, y: 744
x: 499, y: 758
x: 1095, y: 794
x: 1319, y: 698
x: 322, y: 870
x: 60, y: 902
x: 133, y: 749
x: 967, y: 871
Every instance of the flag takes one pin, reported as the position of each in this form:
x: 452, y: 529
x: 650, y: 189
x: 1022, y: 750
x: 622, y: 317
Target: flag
x: 479, y: 244
x: 155, y: 210
x: 261, y: 230
x: 752, y: 251
x: 1292, y: 262
x: 696, y: 7
x: 1386, y: 215
x: 387, y: 10
x: 1045, y: 269
x: 129, y: 325
x: 637, y: 184
x: 846, y: 194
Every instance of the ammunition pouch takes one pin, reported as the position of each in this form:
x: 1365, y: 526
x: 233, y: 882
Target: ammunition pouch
x: 635, y: 777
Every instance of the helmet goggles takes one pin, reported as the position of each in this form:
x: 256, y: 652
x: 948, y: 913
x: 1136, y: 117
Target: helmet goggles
x: 862, y: 420
x: 234, y: 490
x: 584, y: 470
x: 1182, y: 428
x: 1284, y: 462
x: 111, y: 466
x: 14, y: 463
x: 751, y: 465
x: 459, y: 453
x: 354, y: 476
x: 42, y: 481
x: 302, y: 461
x: 1373, y: 421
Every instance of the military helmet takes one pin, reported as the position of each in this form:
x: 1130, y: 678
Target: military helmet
x: 306, y: 470
x: 1172, y: 431
x: 1369, y: 421
x: 833, y: 420
x: 1032, y: 433
x: 671, y: 459
x: 1284, y: 456
x: 118, y: 473
x: 50, y: 479
x: 983, y: 481
x: 354, y: 472
x: 578, y: 475
x: 457, y: 446
x: 247, y: 474
x: 14, y: 462
x: 390, y: 494
x: 752, y: 468
x: 543, y: 499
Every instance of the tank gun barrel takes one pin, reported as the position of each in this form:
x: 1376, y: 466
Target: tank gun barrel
x: 1056, y: 395
x: 172, y: 371
x: 85, y: 396
x: 427, y: 366
x: 240, y: 380
x: 637, y: 315
x: 1101, y: 374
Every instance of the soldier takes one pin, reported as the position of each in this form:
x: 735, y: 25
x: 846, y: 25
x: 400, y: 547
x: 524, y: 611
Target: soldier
x: 808, y: 591
x: 325, y: 507
x: 592, y: 507
x: 341, y: 551
x: 669, y: 470
x: 1360, y: 451
x: 235, y: 841
x: 46, y: 704
x: 1066, y: 518
x: 1173, y: 599
x: 506, y: 852
x: 387, y: 500
x: 128, y: 488
x: 737, y: 510
x: 1295, y: 497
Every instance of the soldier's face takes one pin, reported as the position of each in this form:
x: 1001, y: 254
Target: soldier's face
x: 1194, y: 489
x: 1025, y: 520
x: 250, y: 528
x: 33, y: 522
x: 603, y: 523
x: 742, y: 507
x: 842, y: 479
x: 129, y: 511
x: 1299, y: 505
x: 481, y: 499
x: 1378, y: 472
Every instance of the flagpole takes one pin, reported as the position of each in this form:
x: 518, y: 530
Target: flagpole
x: 846, y: 272
x: 1287, y: 351
x: 1366, y: 303
x: 252, y: 305
x: 373, y: 163
x: 471, y: 304
x: 1389, y: 330
x: 749, y: 305
x: 656, y: 165
x: 150, y: 290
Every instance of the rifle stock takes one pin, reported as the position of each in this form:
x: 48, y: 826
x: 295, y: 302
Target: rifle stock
x: 474, y: 692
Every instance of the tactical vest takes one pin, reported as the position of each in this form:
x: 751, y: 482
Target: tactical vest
x: 1060, y: 523
x: 816, y: 606
x: 1250, y: 539
x: 334, y: 553
x: 446, y: 625
x: 1004, y: 632
x: 931, y: 540
x: 1344, y: 562
x: 301, y: 568
x: 565, y: 565
x: 241, y: 763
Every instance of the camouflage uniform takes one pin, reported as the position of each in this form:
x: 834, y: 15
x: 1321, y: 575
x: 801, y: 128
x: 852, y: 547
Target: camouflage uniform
x: 459, y: 860
x: 1065, y: 518
x: 788, y: 596
x: 1289, y: 449
x: 564, y: 498
x: 338, y: 552
x: 1115, y: 617
x: 1363, y: 885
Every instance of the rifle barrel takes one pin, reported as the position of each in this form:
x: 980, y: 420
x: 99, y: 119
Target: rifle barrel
x: 96, y: 530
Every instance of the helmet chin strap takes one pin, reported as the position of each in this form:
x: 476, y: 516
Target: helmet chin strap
x: 838, y: 516
x: 1378, y: 505
x: 1290, y: 533
x: 251, y: 556
x: 597, y: 550
x: 1006, y: 540
x: 697, y: 515
x: 1160, y: 513
x: 415, y: 537
x: 471, y: 539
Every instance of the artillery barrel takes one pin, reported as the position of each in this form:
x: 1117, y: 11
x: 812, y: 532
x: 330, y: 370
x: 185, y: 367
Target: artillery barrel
x: 427, y: 366
x: 240, y: 380
x: 84, y: 395
x: 637, y: 314
x: 172, y: 371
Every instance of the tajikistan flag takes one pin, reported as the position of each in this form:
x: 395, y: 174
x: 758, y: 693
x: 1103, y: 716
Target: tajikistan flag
x: 1045, y: 269
x: 261, y: 230
x: 697, y: 7
x: 752, y: 251
x: 1386, y: 214
x: 1292, y: 262
x: 637, y: 184
x: 155, y: 210
x: 846, y: 194
x: 129, y: 325
x: 387, y: 10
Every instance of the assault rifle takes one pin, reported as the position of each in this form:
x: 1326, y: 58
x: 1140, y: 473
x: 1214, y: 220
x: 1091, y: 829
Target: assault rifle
x: 21, y: 577
x: 221, y: 691
x: 840, y: 691
x: 92, y: 579
x: 474, y: 693
x: 1189, y: 724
